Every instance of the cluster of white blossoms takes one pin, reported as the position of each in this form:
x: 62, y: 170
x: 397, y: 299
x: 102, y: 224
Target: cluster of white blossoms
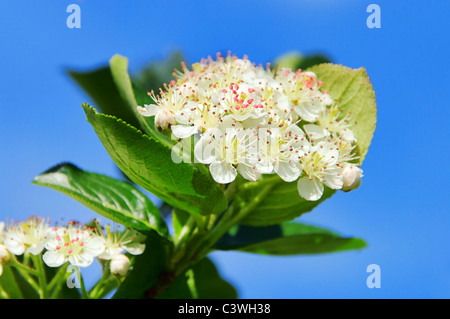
x: 77, y: 244
x: 252, y: 120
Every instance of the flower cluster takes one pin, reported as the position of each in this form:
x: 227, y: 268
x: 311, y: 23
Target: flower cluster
x: 74, y: 243
x: 253, y: 120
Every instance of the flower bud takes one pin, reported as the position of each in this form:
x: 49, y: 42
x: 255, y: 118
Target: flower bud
x: 163, y: 120
x: 351, y: 177
x: 4, y: 254
x: 119, y: 265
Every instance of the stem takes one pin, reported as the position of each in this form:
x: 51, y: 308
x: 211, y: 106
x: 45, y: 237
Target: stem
x: 185, y: 232
x: 58, y: 288
x: 4, y: 294
x: 15, y: 263
x: 84, y: 293
x: 231, y: 191
x: 191, y: 283
x: 103, y: 290
x: 59, y: 275
x: 30, y: 280
x: 93, y: 293
x: 26, y: 259
x: 37, y: 262
x: 202, y: 168
x: 261, y: 182
x: 229, y: 220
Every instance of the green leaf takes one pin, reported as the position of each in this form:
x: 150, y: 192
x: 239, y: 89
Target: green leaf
x: 179, y: 219
x: 156, y: 73
x: 296, y: 60
x: 202, y: 281
x: 101, y: 87
x: 148, y: 269
x: 119, y: 72
x: 114, y: 93
x: 283, y: 203
x: 149, y: 163
x: 354, y: 92
x: 116, y: 200
x: 286, y: 239
x: 134, y: 96
x: 8, y: 282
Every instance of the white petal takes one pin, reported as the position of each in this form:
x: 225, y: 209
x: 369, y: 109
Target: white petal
x: 1, y: 269
x: 248, y: 172
x: 81, y: 260
x: 241, y: 117
x: 110, y: 252
x: 119, y: 265
x: 310, y: 189
x: 205, y: 149
x: 183, y: 131
x: 53, y: 258
x: 223, y: 173
x: 36, y: 249
x: 229, y: 122
x: 305, y: 112
x: 348, y: 135
x: 351, y: 177
x: 264, y: 167
x: 15, y: 247
x: 309, y: 106
x: 51, y: 244
x: 333, y: 178
x: 328, y: 151
x: 186, y: 116
x: 135, y: 248
x: 288, y: 171
x: 148, y: 110
x: 256, y: 122
x: 326, y: 99
x: 316, y: 132
x: 95, y: 246
x: 282, y: 102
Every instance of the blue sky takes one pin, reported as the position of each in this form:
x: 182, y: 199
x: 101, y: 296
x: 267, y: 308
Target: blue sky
x: 401, y: 208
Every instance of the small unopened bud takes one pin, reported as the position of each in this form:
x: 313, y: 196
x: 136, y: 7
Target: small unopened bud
x: 163, y: 120
x: 119, y: 265
x: 352, y: 177
x: 4, y: 254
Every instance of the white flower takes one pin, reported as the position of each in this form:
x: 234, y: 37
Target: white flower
x: 316, y: 133
x: 168, y: 105
x: 29, y: 236
x: 119, y: 265
x: 227, y: 102
x: 196, y: 117
x: 240, y: 101
x: 302, y: 90
x: 74, y: 244
x: 149, y: 110
x: 4, y: 256
x: 308, y: 105
x: 319, y: 167
x: 117, y: 242
x: 337, y: 125
x: 347, y: 152
x: 281, y: 152
x: 352, y: 175
x: 224, y: 150
x: 164, y: 119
